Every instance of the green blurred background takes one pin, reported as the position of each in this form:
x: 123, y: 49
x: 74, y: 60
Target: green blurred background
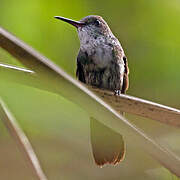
x: 149, y: 34
x: 148, y: 31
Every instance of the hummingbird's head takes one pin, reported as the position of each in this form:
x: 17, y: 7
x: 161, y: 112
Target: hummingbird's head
x: 90, y: 27
x: 94, y: 25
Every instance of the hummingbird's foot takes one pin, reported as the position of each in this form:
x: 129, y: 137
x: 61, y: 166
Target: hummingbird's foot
x: 117, y: 92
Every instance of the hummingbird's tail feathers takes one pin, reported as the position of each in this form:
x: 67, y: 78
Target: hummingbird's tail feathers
x: 107, y: 145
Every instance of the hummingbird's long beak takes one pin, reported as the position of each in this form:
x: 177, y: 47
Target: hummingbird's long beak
x: 72, y: 22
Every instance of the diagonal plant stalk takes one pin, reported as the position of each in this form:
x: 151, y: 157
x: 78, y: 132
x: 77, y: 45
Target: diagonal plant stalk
x: 52, y: 78
x: 21, y: 139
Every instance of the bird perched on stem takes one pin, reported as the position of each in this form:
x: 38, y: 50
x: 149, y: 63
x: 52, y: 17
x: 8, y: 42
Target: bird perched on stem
x: 101, y: 62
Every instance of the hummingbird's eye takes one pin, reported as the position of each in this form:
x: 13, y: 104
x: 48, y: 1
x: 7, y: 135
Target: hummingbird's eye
x: 97, y: 22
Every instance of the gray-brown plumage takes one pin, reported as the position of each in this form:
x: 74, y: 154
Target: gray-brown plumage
x: 101, y: 62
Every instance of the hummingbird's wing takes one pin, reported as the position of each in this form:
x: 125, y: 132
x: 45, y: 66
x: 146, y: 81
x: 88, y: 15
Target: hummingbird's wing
x: 125, y: 78
x: 80, y: 69
x: 120, y: 58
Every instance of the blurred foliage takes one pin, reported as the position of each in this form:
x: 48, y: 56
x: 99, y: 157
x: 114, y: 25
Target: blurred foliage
x: 149, y: 34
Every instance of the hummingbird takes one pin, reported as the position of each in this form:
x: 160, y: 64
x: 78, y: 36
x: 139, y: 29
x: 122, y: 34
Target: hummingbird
x: 101, y: 62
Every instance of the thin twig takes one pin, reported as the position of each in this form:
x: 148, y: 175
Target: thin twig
x: 8, y: 66
x: 21, y: 139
